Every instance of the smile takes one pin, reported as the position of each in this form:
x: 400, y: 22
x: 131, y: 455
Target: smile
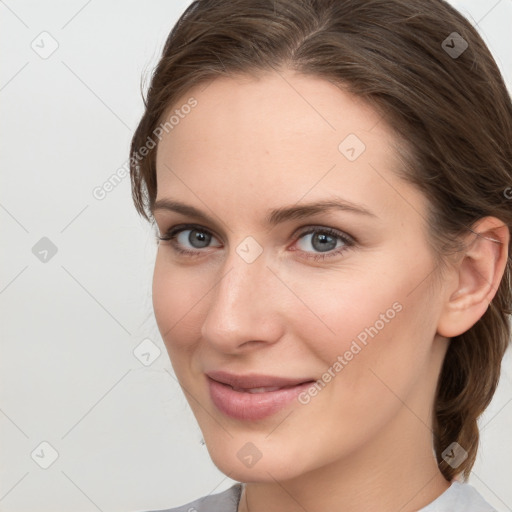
x: 253, y: 403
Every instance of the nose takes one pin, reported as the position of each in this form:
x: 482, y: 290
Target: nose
x: 243, y: 309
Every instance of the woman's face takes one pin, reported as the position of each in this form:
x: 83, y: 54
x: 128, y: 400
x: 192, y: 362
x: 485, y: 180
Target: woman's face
x: 273, y: 286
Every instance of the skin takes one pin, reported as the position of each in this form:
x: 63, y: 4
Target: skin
x: 364, y: 442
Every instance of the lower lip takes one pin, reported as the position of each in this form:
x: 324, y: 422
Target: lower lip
x: 252, y: 406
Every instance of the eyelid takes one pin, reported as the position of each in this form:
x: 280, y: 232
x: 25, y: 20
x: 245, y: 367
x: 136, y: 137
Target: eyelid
x: 306, y: 230
x: 303, y: 230
x: 176, y: 229
x: 349, y: 241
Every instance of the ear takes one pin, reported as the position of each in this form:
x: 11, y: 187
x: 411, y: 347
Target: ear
x: 478, y: 274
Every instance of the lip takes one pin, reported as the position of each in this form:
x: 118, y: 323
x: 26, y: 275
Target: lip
x: 255, y: 380
x: 243, y: 405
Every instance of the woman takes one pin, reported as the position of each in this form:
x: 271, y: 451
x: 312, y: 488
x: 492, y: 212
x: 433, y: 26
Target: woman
x: 330, y: 185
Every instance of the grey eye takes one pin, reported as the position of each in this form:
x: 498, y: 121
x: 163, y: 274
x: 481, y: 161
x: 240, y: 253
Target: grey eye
x: 197, y: 238
x: 321, y: 242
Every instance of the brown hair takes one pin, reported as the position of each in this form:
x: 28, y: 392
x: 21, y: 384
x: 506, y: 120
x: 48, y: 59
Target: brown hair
x: 452, y: 114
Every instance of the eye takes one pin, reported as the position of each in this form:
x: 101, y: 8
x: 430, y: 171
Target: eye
x: 188, y: 239
x: 327, y: 241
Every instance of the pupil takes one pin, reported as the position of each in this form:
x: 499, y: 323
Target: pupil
x: 324, y: 240
x: 198, y: 236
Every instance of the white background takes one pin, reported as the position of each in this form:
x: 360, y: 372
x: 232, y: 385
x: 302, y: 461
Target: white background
x: 125, y: 437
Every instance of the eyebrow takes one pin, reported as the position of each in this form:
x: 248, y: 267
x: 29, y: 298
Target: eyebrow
x: 277, y: 215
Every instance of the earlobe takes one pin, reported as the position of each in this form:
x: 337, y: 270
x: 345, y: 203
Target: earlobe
x: 479, y: 273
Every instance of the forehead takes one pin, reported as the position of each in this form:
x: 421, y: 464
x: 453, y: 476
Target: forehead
x: 271, y: 109
x: 275, y: 139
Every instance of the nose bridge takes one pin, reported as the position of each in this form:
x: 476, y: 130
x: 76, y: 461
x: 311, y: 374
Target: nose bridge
x: 240, y: 308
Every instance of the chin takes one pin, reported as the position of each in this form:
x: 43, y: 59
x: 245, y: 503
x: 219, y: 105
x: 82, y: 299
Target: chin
x: 241, y: 460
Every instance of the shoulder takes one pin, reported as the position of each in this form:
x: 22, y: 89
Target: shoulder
x: 459, y: 497
x: 226, y: 501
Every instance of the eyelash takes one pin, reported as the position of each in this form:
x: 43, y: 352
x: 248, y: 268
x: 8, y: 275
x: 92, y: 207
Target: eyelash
x: 349, y: 241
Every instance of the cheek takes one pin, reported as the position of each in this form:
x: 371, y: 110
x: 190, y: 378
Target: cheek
x: 343, y: 306
x: 177, y: 292
x: 370, y: 368
x: 370, y: 325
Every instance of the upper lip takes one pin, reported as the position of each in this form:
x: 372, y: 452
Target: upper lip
x: 254, y: 380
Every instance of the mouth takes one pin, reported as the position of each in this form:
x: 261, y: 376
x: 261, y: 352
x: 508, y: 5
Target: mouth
x: 258, y: 390
x: 253, y: 397
x: 255, y: 380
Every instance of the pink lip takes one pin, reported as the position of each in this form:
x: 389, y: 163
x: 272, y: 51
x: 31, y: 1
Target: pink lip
x: 247, y: 406
x: 254, y: 380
